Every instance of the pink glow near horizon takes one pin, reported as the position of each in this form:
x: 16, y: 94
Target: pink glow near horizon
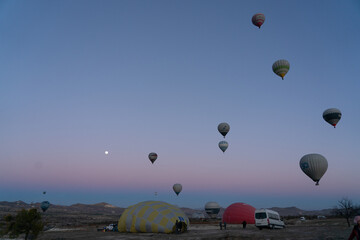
x: 160, y: 176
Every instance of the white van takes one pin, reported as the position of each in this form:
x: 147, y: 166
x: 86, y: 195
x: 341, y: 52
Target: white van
x: 265, y: 218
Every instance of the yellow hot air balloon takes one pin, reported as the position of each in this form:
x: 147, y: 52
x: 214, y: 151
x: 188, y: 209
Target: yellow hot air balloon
x: 152, y: 216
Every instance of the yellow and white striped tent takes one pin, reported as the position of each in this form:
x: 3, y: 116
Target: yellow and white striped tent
x: 152, y: 216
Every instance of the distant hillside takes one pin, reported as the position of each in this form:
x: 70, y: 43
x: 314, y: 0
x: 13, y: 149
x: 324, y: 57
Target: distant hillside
x: 99, y: 208
x: 294, y: 211
x: 111, y: 210
x: 99, y: 214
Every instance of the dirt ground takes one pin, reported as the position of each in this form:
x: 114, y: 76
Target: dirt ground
x: 325, y: 229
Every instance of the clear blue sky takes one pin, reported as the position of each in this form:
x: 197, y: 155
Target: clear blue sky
x: 133, y: 77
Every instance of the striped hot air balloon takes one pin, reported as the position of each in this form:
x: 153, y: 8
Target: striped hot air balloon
x: 152, y: 217
x: 258, y: 19
x: 223, y: 145
x: 281, y: 67
x: 314, y: 166
x: 332, y: 116
x: 212, y: 209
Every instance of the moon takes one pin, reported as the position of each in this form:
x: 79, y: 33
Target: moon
x: 106, y: 152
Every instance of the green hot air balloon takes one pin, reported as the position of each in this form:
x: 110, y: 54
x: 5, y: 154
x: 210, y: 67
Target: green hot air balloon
x: 223, y: 145
x: 332, y: 116
x: 223, y: 128
x: 177, y: 188
x: 281, y: 67
x: 45, y: 205
x: 314, y: 166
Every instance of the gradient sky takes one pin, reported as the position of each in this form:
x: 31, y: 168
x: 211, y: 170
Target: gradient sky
x: 133, y: 77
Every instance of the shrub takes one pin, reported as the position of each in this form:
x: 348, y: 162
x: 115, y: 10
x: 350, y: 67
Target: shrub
x: 26, y: 222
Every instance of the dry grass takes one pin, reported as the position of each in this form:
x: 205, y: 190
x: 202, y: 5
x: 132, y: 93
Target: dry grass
x: 325, y: 229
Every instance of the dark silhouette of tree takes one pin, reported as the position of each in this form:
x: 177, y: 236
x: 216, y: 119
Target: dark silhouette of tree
x: 346, y: 209
x: 26, y: 222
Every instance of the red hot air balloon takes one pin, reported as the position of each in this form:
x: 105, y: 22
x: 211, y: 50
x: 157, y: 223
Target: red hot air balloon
x: 237, y: 213
x: 258, y: 19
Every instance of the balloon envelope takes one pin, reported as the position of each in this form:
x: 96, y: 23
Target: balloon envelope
x: 177, y: 188
x: 314, y: 166
x: 212, y: 209
x: 223, y: 145
x: 223, y: 128
x: 152, y: 216
x: 332, y: 116
x: 44, y: 206
x: 152, y: 156
x: 281, y: 67
x: 238, y: 212
x: 258, y: 19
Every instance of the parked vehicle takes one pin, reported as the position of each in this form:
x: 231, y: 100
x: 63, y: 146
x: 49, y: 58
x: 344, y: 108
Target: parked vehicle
x: 265, y: 218
x: 302, y: 218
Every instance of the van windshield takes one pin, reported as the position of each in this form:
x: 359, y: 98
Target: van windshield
x: 260, y: 215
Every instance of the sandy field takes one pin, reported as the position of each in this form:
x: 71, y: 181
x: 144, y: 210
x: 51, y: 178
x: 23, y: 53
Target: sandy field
x: 325, y: 229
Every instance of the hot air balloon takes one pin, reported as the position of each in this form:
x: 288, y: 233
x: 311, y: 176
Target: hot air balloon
x: 152, y: 217
x: 239, y: 212
x: 44, y: 192
x: 44, y: 206
x: 332, y: 116
x: 152, y: 156
x: 223, y: 128
x: 258, y: 19
x: 212, y: 209
x: 223, y: 145
x: 281, y: 67
x: 177, y: 188
x: 314, y: 165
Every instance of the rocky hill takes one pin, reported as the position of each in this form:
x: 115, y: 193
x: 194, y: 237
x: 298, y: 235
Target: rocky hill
x: 73, y: 215
x: 103, y: 213
x: 294, y: 211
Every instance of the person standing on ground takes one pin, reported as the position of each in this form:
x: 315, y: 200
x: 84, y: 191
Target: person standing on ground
x: 244, y: 224
x: 225, y: 225
x: 180, y: 226
x: 177, y: 227
x: 356, y: 230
